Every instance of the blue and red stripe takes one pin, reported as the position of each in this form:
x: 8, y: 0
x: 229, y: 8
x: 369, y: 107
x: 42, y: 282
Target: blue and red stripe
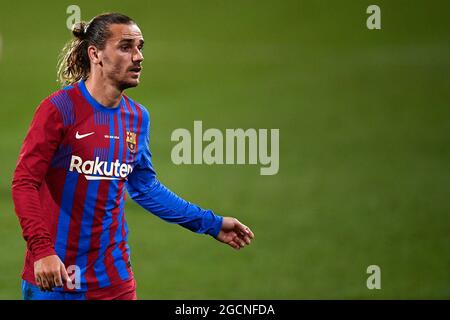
x: 65, y: 213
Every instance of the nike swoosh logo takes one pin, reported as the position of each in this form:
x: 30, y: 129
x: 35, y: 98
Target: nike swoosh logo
x: 81, y: 136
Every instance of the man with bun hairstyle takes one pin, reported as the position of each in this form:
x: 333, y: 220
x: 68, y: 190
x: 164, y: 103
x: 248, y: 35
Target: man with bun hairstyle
x: 87, y: 144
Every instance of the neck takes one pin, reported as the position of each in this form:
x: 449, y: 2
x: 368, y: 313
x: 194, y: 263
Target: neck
x: 103, y: 91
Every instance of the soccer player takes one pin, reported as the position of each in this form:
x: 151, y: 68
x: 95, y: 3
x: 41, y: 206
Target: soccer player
x: 87, y: 144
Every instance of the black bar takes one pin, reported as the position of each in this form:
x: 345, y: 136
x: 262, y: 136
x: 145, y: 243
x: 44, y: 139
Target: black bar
x: 236, y: 309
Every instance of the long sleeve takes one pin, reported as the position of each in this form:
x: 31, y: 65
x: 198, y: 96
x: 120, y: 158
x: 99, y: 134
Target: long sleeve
x: 41, y: 141
x: 151, y: 194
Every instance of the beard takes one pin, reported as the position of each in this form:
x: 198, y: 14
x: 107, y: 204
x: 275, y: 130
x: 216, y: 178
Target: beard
x: 123, y: 81
x: 121, y: 78
x: 125, y: 84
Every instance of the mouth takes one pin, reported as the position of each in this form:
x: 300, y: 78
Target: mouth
x: 136, y: 69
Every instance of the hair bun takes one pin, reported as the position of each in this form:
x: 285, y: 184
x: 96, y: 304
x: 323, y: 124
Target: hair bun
x: 79, y: 30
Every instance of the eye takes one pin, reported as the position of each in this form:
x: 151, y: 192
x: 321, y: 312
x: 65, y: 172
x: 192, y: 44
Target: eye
x: 125, y: 47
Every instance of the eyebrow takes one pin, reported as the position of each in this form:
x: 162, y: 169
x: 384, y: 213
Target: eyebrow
x: 141, y: 41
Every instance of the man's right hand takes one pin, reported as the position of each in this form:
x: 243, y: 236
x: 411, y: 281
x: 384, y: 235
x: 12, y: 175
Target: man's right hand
x: 50, y: 272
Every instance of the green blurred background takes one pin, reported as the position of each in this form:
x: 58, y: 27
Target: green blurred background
x: 364, y: 125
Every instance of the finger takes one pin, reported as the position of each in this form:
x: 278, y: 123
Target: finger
x: 39, y: 282
x: 65, y: 275
x: 247, y: 240
x: 244, y: 237
x: 45, y: 285
x: 234, y: 245
x: 239, y: 241
x: 50, y: 280
x: 57, y: 280
x: 243, y: 228
x: 249, y: 232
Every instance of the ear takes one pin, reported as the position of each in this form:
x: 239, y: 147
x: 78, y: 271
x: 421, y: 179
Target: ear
x: 95, y: 55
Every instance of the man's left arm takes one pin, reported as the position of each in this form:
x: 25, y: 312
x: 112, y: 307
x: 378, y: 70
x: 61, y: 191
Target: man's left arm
x: 144, y: 188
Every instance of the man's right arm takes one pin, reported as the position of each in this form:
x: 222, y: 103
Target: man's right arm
x: 42, y: 140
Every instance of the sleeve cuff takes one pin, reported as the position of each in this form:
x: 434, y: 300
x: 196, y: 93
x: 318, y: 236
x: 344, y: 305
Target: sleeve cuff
x: 42, y: 253
x: 216, y: 226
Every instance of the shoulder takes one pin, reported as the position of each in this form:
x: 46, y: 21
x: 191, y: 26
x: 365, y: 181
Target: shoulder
x: 61, y: 102
x: 60, y: 97
x: 54, y: 111
x: 58, y: 102
x: 141, y: 110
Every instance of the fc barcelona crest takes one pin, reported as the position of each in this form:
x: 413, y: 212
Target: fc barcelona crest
x: 131, y: 141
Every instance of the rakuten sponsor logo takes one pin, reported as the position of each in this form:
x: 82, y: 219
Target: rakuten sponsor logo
x: 100, y: 170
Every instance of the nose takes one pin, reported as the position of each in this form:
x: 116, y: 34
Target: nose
x: 137, y: 55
